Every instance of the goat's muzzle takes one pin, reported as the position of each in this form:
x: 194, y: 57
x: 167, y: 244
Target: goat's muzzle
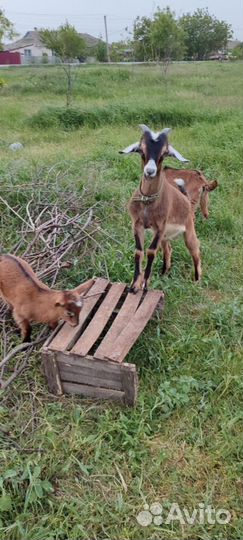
x: 150, y: 169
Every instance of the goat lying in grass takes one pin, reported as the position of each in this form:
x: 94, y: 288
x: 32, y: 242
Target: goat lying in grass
x: 159, y: 206
x: 32, y: 301
x: 196, y: 186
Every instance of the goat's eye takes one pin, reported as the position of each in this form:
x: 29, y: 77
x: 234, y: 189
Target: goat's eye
x: 70, y: 313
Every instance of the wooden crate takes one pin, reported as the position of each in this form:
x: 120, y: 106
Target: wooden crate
x: 89, y: 359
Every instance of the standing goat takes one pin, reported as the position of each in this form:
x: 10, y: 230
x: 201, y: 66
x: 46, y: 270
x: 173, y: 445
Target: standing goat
x: 159, y: 206
x: 196, y: 186
x: 32, y: 301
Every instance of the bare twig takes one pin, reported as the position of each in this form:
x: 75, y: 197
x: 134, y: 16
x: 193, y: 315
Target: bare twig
x: 12, y: 210
x: 19, y: 349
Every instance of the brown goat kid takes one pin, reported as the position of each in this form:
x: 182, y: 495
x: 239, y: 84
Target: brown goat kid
x: 33, y: 301
x: 159, y: 206
x: 197, y: 187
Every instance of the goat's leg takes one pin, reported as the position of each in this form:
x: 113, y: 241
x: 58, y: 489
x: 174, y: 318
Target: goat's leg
x: 138, y: 259
x: 151, y: 253
x: 167, y: 251
x: 193, y: 245
x: 24, y: 327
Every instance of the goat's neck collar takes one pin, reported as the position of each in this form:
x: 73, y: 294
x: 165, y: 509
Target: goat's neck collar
x: 149, y: 190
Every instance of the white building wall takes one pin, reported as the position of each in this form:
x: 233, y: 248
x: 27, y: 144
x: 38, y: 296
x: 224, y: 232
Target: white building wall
x: 36, y: 53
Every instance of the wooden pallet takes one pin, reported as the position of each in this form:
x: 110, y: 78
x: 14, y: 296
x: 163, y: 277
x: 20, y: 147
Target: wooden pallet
x: 89, y: 359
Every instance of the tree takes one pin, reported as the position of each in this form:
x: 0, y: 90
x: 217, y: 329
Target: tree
x: 67, y: 45
x: 142, y: 39
x: 167, y: 37
x: 121, y: 50
x: 160, y: 38
x: 204, y: 33
x: 6, y: 28
x: 101, y: 51
x: 237, y: 52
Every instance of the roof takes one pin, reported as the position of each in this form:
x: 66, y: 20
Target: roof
x: 90, y: 41
x: 232, y: 43
x: 32, y: 37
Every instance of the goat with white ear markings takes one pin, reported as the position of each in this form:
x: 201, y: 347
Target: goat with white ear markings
x: 33, y: 301
x: 159, y: 206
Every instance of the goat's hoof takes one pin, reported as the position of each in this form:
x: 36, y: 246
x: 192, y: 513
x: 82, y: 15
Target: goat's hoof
x: 132, y: 290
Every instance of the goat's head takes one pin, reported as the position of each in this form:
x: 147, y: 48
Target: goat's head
x: 153, y: 148
x: 69, y: 305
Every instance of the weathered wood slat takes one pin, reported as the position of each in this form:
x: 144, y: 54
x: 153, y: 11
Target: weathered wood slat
x: 68, y: 334
x: 126, y: 312
x: 103, y: 368
x: 92, y: 391
x: 134, y: 327
x: 53, y: 334
x: 89, y: 371
x: 98, y: 322
x: 129, y: 385
x: 91, y: 379
x: 52, y: 373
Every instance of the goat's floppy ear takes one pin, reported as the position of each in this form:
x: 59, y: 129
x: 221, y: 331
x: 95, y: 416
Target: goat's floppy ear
x: 84, y: 287
x: 174, y: 153
x: 132, y: 148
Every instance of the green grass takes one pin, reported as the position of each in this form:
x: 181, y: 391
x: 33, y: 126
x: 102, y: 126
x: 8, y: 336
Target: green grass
x: 73, y: 468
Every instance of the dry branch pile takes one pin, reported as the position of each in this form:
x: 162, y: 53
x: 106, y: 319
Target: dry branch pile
x: 48, y: 235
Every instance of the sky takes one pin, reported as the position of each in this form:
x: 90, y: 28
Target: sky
x: 88, y: 17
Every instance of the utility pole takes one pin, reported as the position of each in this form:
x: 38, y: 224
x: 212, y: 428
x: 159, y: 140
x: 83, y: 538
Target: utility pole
x: 106, y: 38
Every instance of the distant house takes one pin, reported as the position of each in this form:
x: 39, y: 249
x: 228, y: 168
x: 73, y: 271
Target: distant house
x: 232, y: 43
x: 225, y: 54
x: 91, y: 41
x: 91, y: 44
x: 32, y: 50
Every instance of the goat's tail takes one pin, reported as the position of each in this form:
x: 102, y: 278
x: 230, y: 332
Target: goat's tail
x: 211, y: 185
x: 204, y: 198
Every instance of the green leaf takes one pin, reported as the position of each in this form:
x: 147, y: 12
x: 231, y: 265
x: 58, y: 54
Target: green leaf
x: 5, y: 503
x: 37, y: 471
x: 10, y: 473
x: 46, y: 485
x: 39, y: 490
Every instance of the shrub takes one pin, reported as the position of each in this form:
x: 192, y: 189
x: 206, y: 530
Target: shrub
x: 2, y: 82
x: 73, y: 118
